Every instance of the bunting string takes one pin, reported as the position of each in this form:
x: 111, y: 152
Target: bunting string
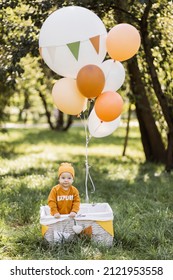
x: 74, y: 47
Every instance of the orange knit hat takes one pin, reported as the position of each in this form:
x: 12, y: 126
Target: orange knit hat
x: 65, y: 167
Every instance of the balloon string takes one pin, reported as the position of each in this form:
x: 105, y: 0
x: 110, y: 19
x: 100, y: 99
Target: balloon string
x: 98, y: 126
x: 87, y: 167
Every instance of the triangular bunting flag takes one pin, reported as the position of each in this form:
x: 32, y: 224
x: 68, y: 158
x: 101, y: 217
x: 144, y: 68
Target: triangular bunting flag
x: 52, y: 52
x: 95, y: 42
x: 107, y: 226
x: 74, y: 48
x: 44, y: 229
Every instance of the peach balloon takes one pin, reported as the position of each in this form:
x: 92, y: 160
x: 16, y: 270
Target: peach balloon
x: 67, y: 97
x: 90, y: 80
x: 123, y: 41
x: 108, y: 106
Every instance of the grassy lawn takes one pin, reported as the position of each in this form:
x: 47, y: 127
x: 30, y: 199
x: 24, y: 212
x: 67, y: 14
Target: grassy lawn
x: 139, y: 194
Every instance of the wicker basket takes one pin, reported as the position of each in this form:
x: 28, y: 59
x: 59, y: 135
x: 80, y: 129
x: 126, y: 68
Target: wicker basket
x: 96, y: 220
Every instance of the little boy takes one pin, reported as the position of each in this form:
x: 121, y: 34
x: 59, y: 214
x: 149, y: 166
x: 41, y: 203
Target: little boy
x: 64, y: 198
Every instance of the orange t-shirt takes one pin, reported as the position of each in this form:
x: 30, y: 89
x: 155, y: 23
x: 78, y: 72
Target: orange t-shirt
x: 63, y: 201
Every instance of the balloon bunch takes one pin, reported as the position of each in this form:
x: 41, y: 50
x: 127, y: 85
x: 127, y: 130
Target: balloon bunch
x: 73, y: 42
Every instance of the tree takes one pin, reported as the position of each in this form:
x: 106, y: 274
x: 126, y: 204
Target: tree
x: 21, y: 23
x: 152, y: 140
x: 164, y: 98
x: 16, y: 41
x: 149, y: 71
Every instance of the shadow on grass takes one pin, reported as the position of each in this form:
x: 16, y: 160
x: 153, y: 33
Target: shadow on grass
x: 6, y: 150
x: 75, y: 136
x: 141, y: 202
x: 141, y: 218
x: 20, y: 204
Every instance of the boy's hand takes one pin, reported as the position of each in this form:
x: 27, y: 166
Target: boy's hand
x: 57, y: 215
x: 72, y: 214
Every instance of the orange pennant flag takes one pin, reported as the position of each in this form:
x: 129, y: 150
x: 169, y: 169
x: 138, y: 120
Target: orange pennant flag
x: 95, y: 42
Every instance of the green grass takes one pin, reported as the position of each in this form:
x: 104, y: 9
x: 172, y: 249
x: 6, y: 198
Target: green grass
x: 140, y: 194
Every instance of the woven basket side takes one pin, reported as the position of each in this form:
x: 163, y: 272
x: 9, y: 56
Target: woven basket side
x: 66, y: 226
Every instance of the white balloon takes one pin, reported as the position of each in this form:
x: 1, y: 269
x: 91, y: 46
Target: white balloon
x: 100, y: 129
x: 69, y: 25
x: 114, y: 74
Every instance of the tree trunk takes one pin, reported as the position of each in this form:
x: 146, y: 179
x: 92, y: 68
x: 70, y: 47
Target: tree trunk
x: 168, y: 115
x: 59, y: 120
x: 60, y: 124
x: 151, y: 139
x: 69, y: 122
x: 169, y: 158
x: 48, y: 114
x: 127, y: 131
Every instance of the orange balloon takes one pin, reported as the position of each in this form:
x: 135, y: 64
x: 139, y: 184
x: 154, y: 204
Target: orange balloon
x: 123, y: 41
x: 90, y: 80
x: 108, y: 106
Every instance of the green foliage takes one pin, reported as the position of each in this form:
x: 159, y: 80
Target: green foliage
x: 23, y: 83
x: 22, y: 20
x: 140, y: 194
x: 17, y: 37
x: 160, y: 22
x: 26, y: 100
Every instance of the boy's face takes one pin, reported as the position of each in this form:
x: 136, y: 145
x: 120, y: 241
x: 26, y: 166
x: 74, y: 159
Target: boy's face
x: 66, y: 179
